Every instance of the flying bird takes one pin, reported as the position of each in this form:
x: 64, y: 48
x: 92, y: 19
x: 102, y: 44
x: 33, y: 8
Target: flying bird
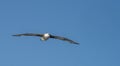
x: 46, y: 36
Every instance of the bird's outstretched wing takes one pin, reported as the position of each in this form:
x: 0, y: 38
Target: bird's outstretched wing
x: 63, y: 38
x: 29, y: 34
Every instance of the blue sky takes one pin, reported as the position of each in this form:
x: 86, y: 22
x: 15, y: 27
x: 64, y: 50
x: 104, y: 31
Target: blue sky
x: 94, y: 24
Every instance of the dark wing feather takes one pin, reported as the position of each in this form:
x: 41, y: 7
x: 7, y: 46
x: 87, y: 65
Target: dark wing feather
x: 29, y: 34
x: 63, y: 38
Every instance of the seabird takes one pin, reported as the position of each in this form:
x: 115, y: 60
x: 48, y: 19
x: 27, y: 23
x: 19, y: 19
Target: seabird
x: 46, y: 36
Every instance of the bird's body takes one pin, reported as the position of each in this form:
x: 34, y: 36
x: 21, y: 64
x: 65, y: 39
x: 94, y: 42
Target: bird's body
x: 46, y: 36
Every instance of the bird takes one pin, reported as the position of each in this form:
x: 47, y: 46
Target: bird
x: 46, y: 36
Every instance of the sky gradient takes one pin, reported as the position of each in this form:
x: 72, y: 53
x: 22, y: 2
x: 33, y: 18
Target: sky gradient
x: 95, y: 24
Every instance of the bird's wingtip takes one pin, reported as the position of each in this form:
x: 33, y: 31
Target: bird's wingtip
x: 16, y: 35
x: 75, y: 43
x: 13, y: 35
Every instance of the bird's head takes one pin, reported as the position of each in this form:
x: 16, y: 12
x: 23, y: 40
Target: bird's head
x: 42, y: 39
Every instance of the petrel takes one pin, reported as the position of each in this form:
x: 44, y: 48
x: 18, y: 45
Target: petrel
x: 46, y: 36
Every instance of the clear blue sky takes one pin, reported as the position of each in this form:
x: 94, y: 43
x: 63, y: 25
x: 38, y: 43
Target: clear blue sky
x: 95, y: 24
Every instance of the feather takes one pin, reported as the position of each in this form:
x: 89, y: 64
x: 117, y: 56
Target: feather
x: 29, y: 34
x: 64, y: 39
